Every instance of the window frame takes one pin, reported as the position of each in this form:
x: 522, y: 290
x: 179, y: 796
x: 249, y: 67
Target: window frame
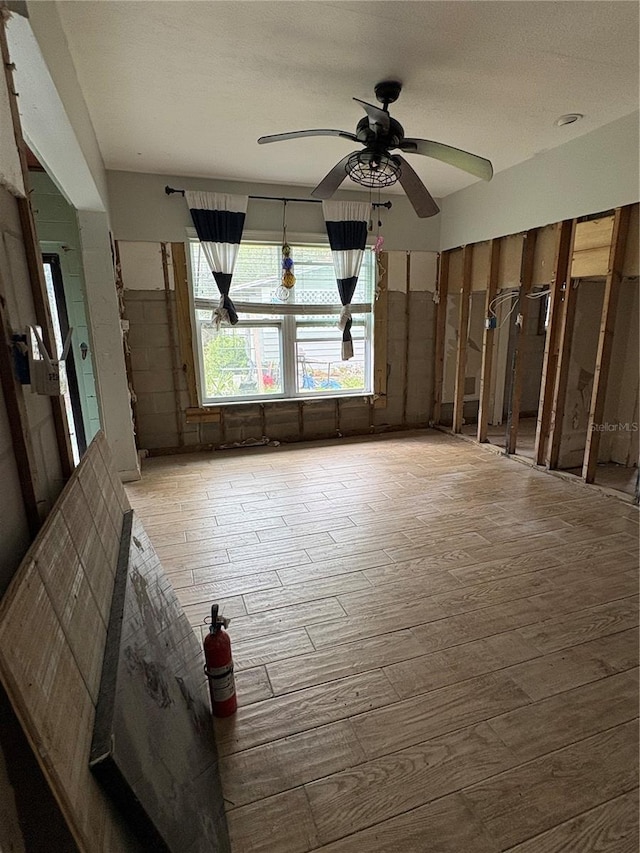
x: 286, y: 320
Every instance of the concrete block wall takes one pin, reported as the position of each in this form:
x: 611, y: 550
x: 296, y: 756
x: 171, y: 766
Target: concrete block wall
x: 161, y: 396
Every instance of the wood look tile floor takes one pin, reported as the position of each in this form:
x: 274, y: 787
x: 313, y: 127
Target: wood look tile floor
x: 436, y: 647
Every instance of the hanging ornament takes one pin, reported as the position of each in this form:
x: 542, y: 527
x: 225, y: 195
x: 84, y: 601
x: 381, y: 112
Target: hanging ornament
x: 288, y: 278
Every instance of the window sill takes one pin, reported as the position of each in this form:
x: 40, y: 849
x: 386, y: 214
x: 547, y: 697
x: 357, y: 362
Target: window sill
x: 210, y: 412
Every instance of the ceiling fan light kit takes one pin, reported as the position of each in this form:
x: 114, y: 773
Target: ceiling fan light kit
x: 373, y: 170
x: 374, y: 166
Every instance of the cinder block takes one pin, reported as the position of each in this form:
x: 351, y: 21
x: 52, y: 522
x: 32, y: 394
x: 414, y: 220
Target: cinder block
x: 133, y: 310
x: 138, y: 359
x: 155, y: 312
x: 150, y: 381
x: 159, y: 358
x: 149, y: 336
x: 164, y: 402
x: 145, y: 404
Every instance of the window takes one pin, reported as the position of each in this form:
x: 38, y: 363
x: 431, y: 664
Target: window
x: 281, y: 349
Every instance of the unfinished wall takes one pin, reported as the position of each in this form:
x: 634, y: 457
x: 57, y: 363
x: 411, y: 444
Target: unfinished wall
x: 619, y: 439
x: 160, y: 386
x: 62, y: 591
x: 15, y: 289
x: 582, y: 362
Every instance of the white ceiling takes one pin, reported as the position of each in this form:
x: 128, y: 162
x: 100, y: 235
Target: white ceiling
x: 185, y: 88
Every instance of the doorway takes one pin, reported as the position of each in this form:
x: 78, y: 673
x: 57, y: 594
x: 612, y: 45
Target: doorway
x: 68, y: 373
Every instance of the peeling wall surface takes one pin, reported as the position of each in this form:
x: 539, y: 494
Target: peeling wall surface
x: 161, y: 390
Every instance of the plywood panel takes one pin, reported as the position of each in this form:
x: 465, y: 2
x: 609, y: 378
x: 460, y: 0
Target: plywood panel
x: 593, y: 234
x: 61, y: 594
x: 591, y: 245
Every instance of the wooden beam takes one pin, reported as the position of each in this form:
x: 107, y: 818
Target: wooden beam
x: 567, y: 316
x: 526, y: 281
x: 125, y: 346
x: 175, y: 353
x: 463, y: 335
x: 380, y: 333
x: 34, y: 265
x: 183, y: 317
x: 18, y: 423
x: 487, y: 341
x: 605, y: 342
x: 407, y: 323
x: 441, y: 322
x: 550, y: 359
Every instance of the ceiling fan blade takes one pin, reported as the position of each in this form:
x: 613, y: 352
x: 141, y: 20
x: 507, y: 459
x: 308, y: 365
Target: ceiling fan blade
x: 464, y: 160
x: 376, y: 115
x: 297, y: 134
x: 332, y: 180
x: 419, y: 196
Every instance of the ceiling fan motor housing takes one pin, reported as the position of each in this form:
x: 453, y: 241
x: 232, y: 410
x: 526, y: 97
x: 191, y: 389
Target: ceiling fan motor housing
x: 382, y: 139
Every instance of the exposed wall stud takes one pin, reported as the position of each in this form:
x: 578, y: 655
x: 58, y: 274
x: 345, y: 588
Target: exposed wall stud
x: 380, y: 335
x: 567, y: 316
x: 127, y: 353
x: 175, y: 355
x: 441, y: 320
x: 407, y: 326
x: 605, y: 342
x: 487, y: 342
x: 18, y: 423
x: 183, y: 311
x: 526, y: 279
x: 550, y: 359
x: 463, y: 335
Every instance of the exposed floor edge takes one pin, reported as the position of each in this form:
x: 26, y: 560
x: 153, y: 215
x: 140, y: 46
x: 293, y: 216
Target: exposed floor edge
x: 524, y: 460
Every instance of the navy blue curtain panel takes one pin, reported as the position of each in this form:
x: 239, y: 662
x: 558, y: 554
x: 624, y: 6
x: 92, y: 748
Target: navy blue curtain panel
x: 346, y: 223
x: 219, y: 221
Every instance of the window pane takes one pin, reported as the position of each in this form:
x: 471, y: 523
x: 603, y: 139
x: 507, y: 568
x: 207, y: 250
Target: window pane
x: 320, y: 368
x: 241, y: 361
x: 258, y: 275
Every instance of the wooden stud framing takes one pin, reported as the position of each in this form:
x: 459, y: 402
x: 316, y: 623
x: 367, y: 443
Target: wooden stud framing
x: 183, y: 312
x: 567, y: 316
x: 175, y: 355
x: 407, y: 320
x: 463, y: 335
x: 487, y: 342
x: 380, y: 335
x: 550, y: 358
x: 605, y: 342
x: 34, y: 266
x: 125, y: 346
x: 18, y: 425
x: 441, y: 321
x: 526, y: 279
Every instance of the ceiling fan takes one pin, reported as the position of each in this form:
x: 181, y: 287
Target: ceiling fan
x: 374, y: 166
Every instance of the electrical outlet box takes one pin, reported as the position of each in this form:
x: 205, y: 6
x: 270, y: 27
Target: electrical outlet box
x: 490, y: 322
x: 44, y: 371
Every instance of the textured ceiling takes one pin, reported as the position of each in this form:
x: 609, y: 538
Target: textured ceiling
x: 185, y: 88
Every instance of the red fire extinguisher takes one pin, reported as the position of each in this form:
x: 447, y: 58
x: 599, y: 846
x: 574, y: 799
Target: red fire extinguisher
x: 219, y: 666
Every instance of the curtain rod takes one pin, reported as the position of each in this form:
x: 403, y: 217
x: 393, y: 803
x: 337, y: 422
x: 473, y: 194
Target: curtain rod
x: 387, y: 204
